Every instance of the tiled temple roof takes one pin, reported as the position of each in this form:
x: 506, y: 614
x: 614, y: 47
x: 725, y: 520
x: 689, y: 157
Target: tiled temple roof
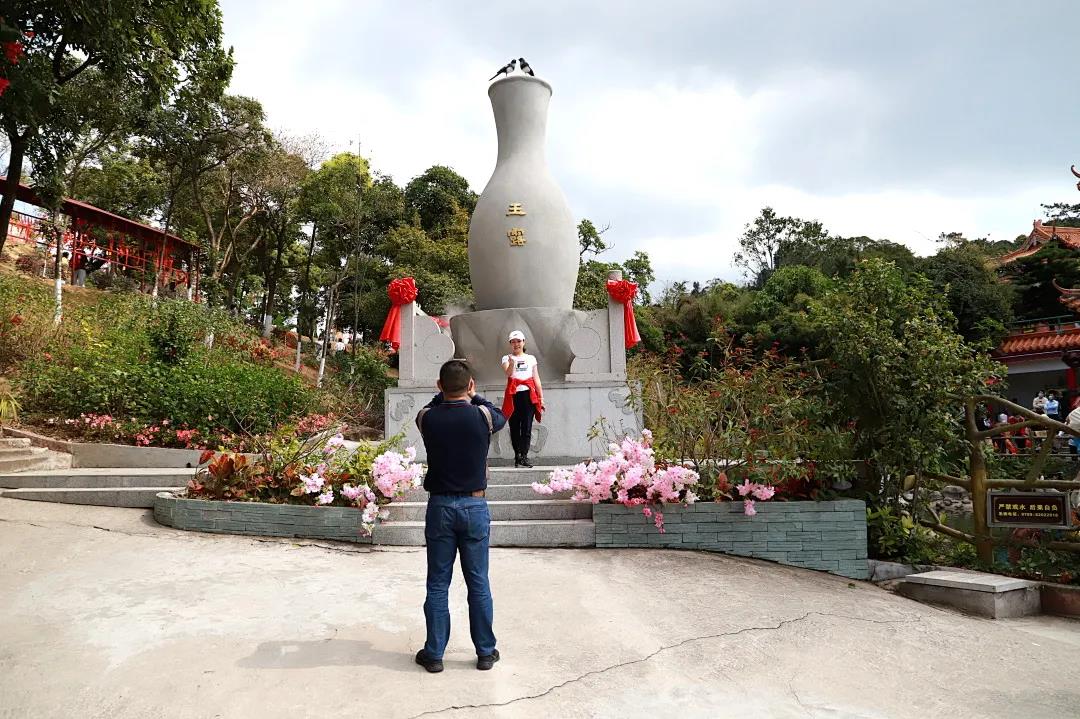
x: 1040, y: 235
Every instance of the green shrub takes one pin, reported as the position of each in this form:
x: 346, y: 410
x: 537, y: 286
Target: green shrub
x: 355, y: 390
x: 208, y: 390
x: 113, y: 282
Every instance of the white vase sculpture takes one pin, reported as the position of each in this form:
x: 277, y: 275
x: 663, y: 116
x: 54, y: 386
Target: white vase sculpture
x: 523, y: 246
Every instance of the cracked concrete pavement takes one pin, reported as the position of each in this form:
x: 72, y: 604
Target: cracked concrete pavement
x: 108, y: 614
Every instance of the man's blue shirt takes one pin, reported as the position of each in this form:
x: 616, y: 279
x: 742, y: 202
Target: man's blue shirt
x: 456, y: 437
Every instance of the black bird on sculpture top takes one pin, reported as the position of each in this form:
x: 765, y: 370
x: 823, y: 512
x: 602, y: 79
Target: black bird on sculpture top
x: 504, y: 70
x: 525, y: 67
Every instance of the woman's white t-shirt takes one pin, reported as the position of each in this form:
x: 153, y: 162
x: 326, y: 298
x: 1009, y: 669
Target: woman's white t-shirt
x: 523, y: 367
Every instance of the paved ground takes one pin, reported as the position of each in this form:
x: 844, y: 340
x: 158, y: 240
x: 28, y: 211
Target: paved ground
x: 106, y: 614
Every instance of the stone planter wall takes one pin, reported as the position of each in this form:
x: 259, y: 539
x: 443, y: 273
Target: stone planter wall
x: 255, y: 518
x: 829, y: 536
x: 100, y: 454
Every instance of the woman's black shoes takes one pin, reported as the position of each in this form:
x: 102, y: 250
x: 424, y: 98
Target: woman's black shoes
x: 522, y: 461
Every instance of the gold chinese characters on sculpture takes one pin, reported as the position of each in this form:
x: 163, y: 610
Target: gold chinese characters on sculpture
x: 516, y: 235
x: 515, y: 208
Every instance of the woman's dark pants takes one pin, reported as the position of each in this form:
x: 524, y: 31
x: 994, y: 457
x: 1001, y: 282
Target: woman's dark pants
x: 521, y: 422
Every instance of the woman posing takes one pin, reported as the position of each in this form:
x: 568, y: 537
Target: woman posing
x: 524, y: 397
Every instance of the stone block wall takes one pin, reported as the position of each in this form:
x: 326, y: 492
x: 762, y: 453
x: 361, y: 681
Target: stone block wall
x: 255, y: 518
x: 829, y: 536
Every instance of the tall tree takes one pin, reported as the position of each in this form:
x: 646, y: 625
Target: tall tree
x: 765, y: 240
x: 981, y: 302
x: 437, y: 196
x: 156, y: 46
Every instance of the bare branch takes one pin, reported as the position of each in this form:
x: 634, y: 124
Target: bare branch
x: 1035, y: 471
x: 949, y: 479
x: 949, y: 531
x: 1003, y: 428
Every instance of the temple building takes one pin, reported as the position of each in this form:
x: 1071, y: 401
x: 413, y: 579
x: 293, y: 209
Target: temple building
x: 100, y: 241
x: 1044, y: 353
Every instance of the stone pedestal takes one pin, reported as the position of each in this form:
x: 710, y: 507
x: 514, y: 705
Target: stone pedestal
x: 563, y: 436
x: 424, y: 348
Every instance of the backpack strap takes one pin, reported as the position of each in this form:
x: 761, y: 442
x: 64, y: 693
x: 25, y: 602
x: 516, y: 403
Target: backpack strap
x: 487, y: 418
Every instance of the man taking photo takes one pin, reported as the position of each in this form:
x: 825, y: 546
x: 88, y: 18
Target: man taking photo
x: 456, y: 427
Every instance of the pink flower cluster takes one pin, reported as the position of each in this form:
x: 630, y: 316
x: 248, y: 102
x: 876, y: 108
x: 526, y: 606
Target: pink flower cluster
x: 97, y: 421
x: 314, y: 423
x: 187, y: 436
x: 629, y: 476
x: 364, y: 498
x: 334, y: 444
x: 395, y: 473
x: 761, y: 491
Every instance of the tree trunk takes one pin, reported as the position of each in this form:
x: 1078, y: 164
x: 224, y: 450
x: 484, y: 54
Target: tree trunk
x: 271, y: 286
x: 307, y: 285
x: 977, y: 472
x: 326, y: 334
x: 11, y: 184
x: 58, y: 280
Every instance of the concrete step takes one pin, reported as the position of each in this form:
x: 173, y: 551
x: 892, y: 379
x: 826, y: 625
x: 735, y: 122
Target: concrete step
x: 12, y: 442
x: 98, y: 478
x: 497, y: 493
x: 107, y: 497
x: 503, y: 511
x: 16, y: 452
x: 537, y: 533
x: 20, y: 464
x: 513, y: 475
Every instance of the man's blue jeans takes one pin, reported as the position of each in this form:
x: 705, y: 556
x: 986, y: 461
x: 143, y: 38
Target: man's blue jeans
x: 455, y: 524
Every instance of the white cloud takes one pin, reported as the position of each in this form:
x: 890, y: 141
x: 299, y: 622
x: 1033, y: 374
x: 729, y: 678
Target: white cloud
x: 678, y: 138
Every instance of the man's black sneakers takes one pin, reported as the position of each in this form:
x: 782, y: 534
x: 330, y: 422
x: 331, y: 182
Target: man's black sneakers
x: 483, y: 663
x: 432, y: 665
x: 523, y: 461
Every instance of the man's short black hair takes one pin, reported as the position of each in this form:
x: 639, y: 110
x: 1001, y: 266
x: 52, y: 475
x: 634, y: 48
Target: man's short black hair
x: 454, y: 376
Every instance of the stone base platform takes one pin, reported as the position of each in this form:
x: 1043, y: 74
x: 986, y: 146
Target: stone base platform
x: 561, y: 438
x: 986, y: 595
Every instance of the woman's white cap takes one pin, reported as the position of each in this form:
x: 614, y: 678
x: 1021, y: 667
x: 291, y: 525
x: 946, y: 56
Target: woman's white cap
x: 516, y: 335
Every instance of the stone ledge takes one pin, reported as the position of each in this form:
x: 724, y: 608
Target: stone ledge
x: 260, y: 519
x: 101, y: 454
x: 827, y: 536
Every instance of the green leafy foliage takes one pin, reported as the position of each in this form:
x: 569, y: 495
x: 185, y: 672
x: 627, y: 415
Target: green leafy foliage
x: 979, y: 300
x: 895, y: 368
x: 129, y: 357
x: 736, y: 415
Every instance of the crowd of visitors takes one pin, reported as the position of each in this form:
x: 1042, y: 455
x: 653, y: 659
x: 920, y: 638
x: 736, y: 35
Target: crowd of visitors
x: 1030, y: 438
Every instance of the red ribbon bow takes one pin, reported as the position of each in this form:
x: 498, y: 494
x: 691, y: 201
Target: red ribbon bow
x: 624, y: 291
x: 401, y: 292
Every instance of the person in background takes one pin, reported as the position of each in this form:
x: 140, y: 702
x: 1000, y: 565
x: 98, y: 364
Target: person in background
x: 1073, y: 421
x: 999, y: 439
x: 1039, y: 403
x: 1052, y: 407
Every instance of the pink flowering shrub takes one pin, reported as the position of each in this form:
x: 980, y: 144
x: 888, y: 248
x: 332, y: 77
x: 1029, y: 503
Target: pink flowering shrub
x: 630, y: 476
x: 324, y: 470
x: 761, y: 492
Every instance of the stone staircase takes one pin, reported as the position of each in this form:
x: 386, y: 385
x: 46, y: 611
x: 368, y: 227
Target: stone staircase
x: 102, y: 486
x: 18, y: 455
x: 519, y: 516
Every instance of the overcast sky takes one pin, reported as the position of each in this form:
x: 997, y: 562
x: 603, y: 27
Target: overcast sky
x: 676, y: 121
